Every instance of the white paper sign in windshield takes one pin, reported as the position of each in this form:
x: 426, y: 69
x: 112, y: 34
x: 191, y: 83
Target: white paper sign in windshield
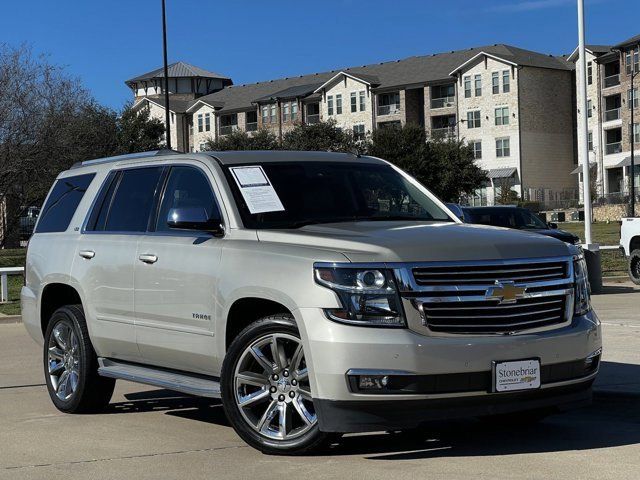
x: 256, y: 189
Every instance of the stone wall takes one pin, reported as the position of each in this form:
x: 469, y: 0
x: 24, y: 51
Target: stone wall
x: 611, y: 213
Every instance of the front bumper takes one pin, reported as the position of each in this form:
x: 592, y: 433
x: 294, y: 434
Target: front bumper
x: 332, y: 349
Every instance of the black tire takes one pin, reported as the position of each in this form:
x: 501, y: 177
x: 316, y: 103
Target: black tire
x: 306, y: 443
x: 93, y: 392
x: 634, y: 266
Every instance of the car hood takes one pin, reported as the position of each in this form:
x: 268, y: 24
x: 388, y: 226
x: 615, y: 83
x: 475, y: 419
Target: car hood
x: 419, y: 242
x: 559, y: 234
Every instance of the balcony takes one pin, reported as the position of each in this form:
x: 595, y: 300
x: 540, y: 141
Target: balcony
x: 612, y: 80
x: 443, y: 102
x: 612, y: 148
x: 388, y: 109
x: 613, y: 114
x: 227, y: 129
x: 251, y: 126
x: 313, y: 119
x: 446, y: 132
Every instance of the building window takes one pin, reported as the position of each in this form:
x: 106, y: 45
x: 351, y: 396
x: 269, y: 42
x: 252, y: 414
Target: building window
x: 265, y: 114
x: 338, y: 104
x: 363, y: 103
x: 635, y: 133
x: 506, y: 87
x: 477, y: 80
x: 358, y: 132
x: 207, y: 122
x: 589, y: 73
x: 629, y: 60
x: 632, y: 98
x: 285, y: 112
x: 330, y: 105
x: 273, y: 114
x: 503, y: 149
x: 473, y: 119
x: 294, y: 111
x: 251, y: 121
x: 202, y: 146
x: 589, y: 109
x: 191, y: 128
x: 173, y: 118
x: 467, y: 87
x: 477, y: 149
x: 200, y: 123
x: 502, y: 116
x: 354, y: 102
x: 590, y: 141
x: 495, y: 82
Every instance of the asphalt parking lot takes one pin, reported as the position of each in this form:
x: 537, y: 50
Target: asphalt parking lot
x: 151, y: 434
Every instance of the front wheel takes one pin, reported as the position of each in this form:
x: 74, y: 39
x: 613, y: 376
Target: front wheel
x: 634, y: 266
x: 265, y: 389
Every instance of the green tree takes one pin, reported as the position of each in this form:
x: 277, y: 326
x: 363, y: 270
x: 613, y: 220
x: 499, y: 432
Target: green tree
x: 446, y: 167
x: 323, y: 136
x: 239, y: 140
x: 137, y: 131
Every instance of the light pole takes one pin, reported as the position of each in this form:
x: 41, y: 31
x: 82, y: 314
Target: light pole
x: 634, y: 72
x: 166, y: 77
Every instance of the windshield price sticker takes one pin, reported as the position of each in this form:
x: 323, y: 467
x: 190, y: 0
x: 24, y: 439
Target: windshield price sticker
x: 256, y: 189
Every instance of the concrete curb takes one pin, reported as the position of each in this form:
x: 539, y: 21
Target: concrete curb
x: 10, y: 319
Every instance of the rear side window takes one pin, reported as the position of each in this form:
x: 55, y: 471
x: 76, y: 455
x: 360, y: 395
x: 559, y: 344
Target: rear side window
x: 62, y: 203
x: 127, y: 201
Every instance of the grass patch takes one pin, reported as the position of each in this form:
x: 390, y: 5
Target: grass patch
x: 613, y: 263
x: 12, y: 257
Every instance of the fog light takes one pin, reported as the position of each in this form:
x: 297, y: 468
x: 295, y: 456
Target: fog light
x: 373, y: 382
x: 591, y: 362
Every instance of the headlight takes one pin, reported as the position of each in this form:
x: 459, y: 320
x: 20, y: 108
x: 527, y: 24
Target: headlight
x: 582, y: 288
x: 368, y: 296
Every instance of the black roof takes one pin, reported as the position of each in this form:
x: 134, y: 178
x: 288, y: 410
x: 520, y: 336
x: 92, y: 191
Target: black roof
x: 178, y: 70
x: 270, y: 156
x: 635, y: 40
x: 423, y: 70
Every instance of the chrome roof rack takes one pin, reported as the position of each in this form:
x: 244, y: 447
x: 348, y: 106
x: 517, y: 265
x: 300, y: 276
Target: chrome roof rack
x: 128, y: 156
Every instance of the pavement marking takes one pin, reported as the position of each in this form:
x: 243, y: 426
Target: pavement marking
x: 129, y: 457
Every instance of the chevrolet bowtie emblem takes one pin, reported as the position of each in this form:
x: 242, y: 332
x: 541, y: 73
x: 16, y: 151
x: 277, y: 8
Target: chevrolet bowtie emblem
x: 505, y: 292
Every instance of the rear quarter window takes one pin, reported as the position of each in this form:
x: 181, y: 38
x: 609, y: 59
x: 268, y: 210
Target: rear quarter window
x: 62, y: 203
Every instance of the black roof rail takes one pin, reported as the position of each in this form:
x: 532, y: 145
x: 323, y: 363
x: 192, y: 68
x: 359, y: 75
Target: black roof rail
x: 127, y: 156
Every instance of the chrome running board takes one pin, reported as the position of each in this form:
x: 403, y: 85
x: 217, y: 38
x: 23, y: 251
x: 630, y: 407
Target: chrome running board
x: 170, y: 379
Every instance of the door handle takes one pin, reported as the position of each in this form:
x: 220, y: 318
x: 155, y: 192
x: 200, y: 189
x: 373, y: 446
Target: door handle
x: 148, y: 258
x: 88, y: 254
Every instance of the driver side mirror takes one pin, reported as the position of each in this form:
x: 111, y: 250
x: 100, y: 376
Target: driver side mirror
x: 552, y: 225
x: 194, y: 218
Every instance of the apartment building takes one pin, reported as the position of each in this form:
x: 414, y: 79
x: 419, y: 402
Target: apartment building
x: 609, y: 98
x: 513, y: 105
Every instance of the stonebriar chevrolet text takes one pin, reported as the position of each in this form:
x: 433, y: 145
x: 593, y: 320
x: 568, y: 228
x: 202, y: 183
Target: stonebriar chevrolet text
x: 314, y: 293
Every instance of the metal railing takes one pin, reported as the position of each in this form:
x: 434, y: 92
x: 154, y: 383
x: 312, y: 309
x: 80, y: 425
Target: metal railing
x: 446, y: 132
x: 612, y: 148
x: 613, y: 114
x: 443, y: 102
x: 612, y: 80
x: 252, y: 126
x: 312, y: 119
x: 388, y: 109
x: 4, y: 283
x: 227, y: 129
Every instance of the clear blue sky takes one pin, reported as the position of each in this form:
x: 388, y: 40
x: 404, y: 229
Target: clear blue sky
x: 105, y: 42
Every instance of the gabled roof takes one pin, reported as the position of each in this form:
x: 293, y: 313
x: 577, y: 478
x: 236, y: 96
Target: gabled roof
x: 422, y: 70
x: 194, y: 104
x: 298, y: 91
x: 595, y: 50
x: 177, y: 70
x: 635, y: 40
x: 370, y: 80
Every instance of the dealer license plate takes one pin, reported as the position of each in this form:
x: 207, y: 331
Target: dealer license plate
x: 518, y: 375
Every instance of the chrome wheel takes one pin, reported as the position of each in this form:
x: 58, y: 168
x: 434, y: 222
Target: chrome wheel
x: 63, y: 361
x: 271, y: 385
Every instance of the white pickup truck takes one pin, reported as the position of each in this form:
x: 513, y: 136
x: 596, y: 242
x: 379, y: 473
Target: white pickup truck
x: 630, y: 245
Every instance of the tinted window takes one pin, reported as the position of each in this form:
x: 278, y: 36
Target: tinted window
x: 328, y: 192
x: 133, y: 200
x: 187, y: 187
x: 505, y: 217
x: 62, y: 203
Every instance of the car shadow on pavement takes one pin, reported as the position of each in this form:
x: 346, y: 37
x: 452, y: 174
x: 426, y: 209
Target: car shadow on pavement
x: 616, y: 289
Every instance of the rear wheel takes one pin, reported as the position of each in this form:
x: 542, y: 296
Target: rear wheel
x: 71, y: 365
x: 265, y: 389
x: 634, y: 266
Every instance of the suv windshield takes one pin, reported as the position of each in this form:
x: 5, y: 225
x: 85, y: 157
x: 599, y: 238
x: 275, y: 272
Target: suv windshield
x: 506, y: 217
x: 328, y: 192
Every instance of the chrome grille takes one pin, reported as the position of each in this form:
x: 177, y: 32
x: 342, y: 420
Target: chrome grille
x: 460, y: 298
x: 482, y: 274
x: 491, y: 317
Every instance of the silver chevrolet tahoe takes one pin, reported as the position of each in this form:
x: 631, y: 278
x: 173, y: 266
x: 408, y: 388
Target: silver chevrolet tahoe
x: 314, y: 293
